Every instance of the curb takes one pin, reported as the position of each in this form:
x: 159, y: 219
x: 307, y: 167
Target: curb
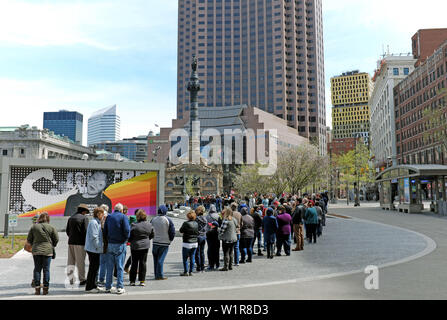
x: 22, y: 254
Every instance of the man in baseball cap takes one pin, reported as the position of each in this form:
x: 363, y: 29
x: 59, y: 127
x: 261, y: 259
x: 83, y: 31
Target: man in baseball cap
x: 76, y: 231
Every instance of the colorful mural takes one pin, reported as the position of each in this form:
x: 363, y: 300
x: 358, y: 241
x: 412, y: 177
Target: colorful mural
x: 60, y: 191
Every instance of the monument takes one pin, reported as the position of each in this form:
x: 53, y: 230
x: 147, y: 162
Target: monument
x: 193, y: 177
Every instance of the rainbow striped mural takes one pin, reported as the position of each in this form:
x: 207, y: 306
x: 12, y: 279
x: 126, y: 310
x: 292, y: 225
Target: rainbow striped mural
x: 136, y: 193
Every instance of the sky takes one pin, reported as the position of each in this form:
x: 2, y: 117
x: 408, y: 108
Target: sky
x: 84, y: 55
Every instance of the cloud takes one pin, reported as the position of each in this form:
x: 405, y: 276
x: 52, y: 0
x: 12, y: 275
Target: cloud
x: 105, y: 25
x: 396, y: 16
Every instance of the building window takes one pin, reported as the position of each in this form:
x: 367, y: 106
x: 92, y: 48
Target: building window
x: 396, y: 71
x: 5, y: 152
x: 406, y: 71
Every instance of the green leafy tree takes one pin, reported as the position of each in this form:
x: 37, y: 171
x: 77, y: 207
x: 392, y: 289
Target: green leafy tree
x: 296, y: 169
x: 354, y: 166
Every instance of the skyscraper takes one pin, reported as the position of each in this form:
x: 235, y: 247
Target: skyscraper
x: 351, y: 92
x: 64, y: 123
x: 103, y: 125
x: 263, y: 53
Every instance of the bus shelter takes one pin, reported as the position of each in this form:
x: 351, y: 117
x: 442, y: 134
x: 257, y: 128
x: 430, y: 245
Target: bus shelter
x: 406, y: 187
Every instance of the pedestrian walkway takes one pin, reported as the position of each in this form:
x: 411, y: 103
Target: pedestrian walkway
x: 346, y: 246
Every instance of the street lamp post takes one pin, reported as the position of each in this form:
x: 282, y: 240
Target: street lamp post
x: 356, y: 184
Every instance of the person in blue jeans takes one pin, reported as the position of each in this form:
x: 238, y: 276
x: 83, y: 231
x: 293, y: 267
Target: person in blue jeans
x: 102, y: 269
x: 238, y: 217
x: 190, y: 231
x: 43, y: 237
x: 117, y: 232
x: 164, y: 231
x: 201, y: 239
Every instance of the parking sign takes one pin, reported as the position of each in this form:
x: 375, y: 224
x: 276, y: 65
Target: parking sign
x: 13, y: 220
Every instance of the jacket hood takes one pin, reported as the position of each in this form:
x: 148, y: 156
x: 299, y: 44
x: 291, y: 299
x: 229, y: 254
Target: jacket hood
x: 212, y: 209
x: 244, y: 211
x: 162, y: 210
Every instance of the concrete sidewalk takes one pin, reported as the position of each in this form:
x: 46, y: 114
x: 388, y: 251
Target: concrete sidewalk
x: 346, y: 246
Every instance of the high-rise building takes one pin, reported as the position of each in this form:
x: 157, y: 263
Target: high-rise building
x: 391, y: 70
x: 262, y: 53
x: 423, y: 90
x: 64, y: 123
x: 132, y: 148
x: 103, y: 125
x: 350, y: 112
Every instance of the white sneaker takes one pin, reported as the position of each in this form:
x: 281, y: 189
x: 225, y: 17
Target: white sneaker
x: 120, y: 291
x: 111, y: 290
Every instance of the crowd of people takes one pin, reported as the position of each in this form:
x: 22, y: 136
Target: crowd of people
x: 236, y: 226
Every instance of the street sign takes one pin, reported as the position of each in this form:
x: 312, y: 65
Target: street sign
x: 12, y: 220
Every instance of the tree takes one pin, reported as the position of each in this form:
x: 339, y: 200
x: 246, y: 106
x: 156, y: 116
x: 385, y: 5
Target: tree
x: 248, y: 180
x: 296, y: 168
x: 436, y: 122
x: 354, y: 166
x: 302, y: 166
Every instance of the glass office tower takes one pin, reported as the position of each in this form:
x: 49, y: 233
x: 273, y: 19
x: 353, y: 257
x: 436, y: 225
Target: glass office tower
x: 64, y: 123
x: 103, y: 125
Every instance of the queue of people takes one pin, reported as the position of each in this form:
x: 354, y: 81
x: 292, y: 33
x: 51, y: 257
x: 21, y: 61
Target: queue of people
x: 264, y: 223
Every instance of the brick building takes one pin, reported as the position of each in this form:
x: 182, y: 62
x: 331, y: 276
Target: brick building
x: 425, y: 42
x: 341, y: 146
x: 421, y: 90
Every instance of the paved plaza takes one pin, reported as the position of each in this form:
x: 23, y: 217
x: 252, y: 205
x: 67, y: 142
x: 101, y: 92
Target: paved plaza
x: 353, y: 239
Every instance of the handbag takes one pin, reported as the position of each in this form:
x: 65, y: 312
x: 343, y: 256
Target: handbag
x: 28, y: 247
x: 50, y: 241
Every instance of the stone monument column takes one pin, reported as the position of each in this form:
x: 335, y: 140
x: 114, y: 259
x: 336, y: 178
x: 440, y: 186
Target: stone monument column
x: 194, y: 123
